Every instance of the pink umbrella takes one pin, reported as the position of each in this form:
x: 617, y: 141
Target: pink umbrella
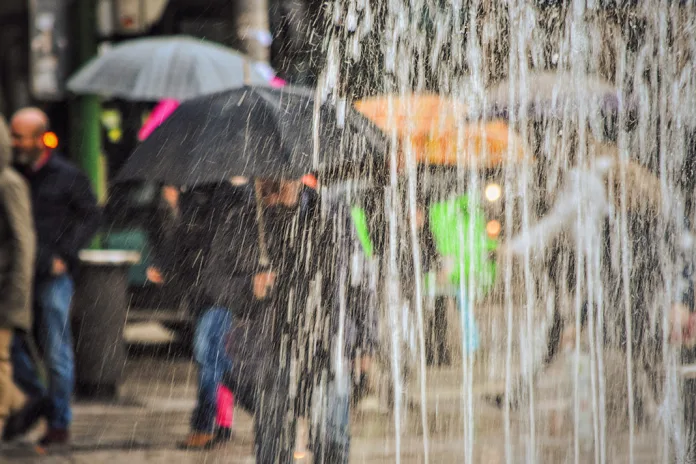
x: 161, y: 112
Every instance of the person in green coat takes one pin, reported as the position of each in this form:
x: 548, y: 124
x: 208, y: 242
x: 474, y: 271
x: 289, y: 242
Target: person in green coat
x: 453, y: 239
x: 458, y: 229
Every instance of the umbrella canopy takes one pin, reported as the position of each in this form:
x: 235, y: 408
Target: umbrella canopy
x: 153, y: 69
x: 551, y: 94
x: 413, y: 115
x: 159, y: 114
x: 437, y: 130
x: 167, y: 106
x: 253, y: 132
x: 481, y: 144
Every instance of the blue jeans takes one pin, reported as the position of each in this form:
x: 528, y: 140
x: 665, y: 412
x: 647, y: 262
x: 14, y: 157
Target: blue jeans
x: 470, y: 332
x: 210, y: 353
x: 52, y: 311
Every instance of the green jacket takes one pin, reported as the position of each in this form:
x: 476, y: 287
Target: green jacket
x: 449, y: 224
x: 453, y: 223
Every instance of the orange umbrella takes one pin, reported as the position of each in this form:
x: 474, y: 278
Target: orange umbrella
x: 437, y: 130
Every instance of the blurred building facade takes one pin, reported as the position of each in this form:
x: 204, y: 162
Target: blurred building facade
x: 14, y: 55
x: 42, y: 42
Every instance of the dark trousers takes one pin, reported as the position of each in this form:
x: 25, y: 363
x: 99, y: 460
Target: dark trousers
x: 260, y: 381
x: 437, y: 351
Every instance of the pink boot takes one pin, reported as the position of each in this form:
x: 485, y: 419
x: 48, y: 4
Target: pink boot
x: 225, y: 407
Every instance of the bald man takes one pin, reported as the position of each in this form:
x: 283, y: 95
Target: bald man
x: 66, y: 217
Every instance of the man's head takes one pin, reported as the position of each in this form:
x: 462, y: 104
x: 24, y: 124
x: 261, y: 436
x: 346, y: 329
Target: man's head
x: 28, y: 127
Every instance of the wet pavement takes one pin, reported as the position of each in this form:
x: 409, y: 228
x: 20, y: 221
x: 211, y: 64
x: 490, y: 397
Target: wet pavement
x: 158, y: 395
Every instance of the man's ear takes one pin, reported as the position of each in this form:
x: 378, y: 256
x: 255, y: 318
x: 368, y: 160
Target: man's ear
x: 40, y: 140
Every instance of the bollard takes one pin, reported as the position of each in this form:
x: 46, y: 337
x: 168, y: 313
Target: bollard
x: 99, y: 315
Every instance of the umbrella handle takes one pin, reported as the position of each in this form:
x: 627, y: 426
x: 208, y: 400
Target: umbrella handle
x: 263, y: 259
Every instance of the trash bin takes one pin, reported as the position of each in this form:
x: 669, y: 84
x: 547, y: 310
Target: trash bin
x: 99, y: 316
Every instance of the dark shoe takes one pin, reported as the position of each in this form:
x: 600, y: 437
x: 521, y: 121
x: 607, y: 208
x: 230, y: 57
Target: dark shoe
x: 198, y: 441
x: 55, y: 437
x: 21, y: 421
x: 223, y: 435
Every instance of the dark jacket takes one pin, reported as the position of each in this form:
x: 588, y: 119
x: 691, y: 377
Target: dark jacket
x: 305, y: 248
x: 235, y: 254
x: 196, y: 252
x: 66, y: 214
x: 17, y: 243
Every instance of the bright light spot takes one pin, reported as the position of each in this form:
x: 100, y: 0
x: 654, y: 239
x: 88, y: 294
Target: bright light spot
x: 310, y: 181
x: 50, y: 140
x: 493, y: 192
x: 493, y: 228
x: 238, y: 181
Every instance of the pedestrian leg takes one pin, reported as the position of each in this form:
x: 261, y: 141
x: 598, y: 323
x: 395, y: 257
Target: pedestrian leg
x: 470, y: 332
x: 18, y: 412
x: 25, y: 373
x: 55, y: 336
x: 11, y: 398
x: 442, y: 352
x: 274, y: 420
x: 213, y: 362
x: 225, y: 407
x: 333, y: 443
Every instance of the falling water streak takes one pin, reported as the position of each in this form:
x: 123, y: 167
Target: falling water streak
x: 472, y: 92
x: 339, y: 355
x: 507, y: 291
x: 512, y: 87
x: 578, y: 56
x: 599, y: 350
x: 518, y: 53
x: 590, y: 249
x: 530, y: 303
x: 418, y: 272
x: 625, y: 263
x: 465, y: 319
x: 578, y: 308
x: 318, y: 97
x: 393, y: 295
x: 649, y: 66
x: 662, y: 126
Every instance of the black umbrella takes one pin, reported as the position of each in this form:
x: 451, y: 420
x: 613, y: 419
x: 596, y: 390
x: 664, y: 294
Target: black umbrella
x: 253, y: 132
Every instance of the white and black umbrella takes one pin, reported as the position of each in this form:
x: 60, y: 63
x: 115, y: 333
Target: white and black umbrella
x: 156, y: 68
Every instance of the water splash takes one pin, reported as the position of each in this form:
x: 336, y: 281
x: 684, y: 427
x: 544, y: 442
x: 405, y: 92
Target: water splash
x: 621, y: 266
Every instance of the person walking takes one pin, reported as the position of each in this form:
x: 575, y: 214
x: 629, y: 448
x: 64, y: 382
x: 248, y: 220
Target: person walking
x: 66, y: 216
x: 192, y: 258
x: 305, y: 348
x: 17, y: 254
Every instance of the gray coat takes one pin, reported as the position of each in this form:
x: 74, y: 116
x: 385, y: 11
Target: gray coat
x: 17, y: 242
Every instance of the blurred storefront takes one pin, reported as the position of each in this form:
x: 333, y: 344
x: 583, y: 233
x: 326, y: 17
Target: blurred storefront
x: 42, y: 43
x: 35, y: 58
x: 14, y: 55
